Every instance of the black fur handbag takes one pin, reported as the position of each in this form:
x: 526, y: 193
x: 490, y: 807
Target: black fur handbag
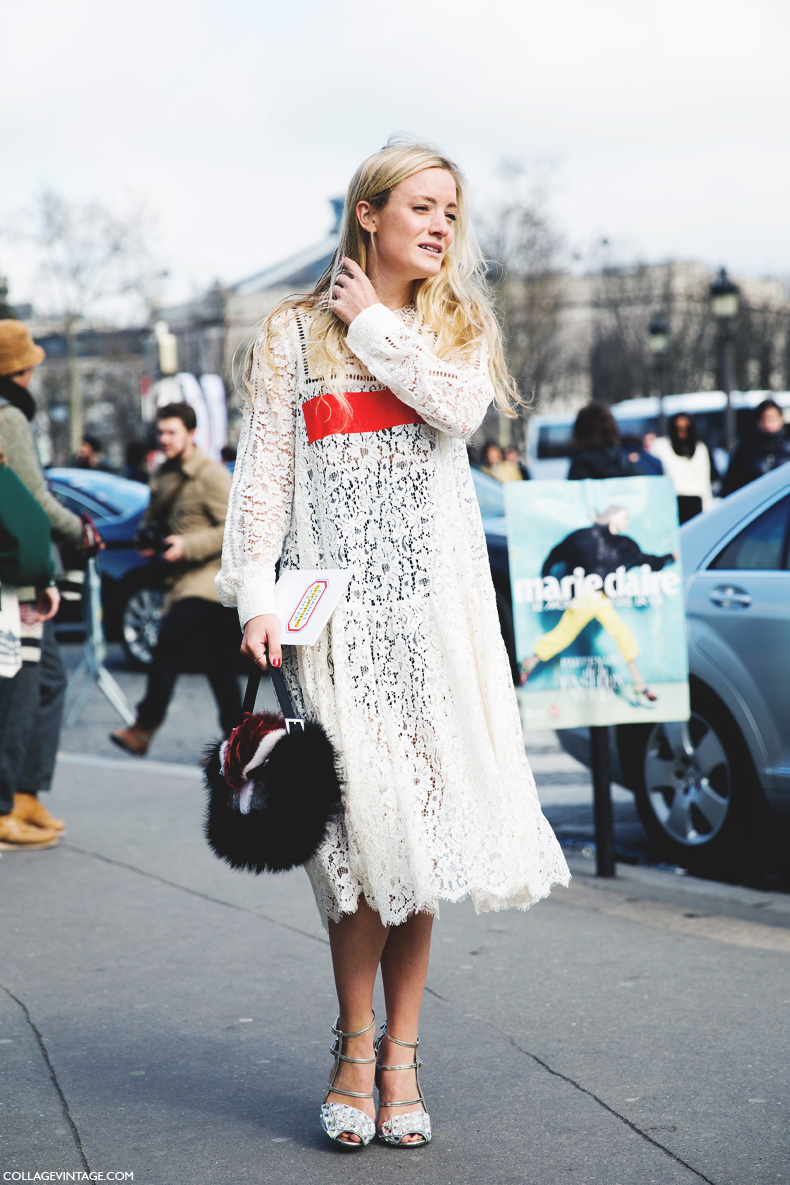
x: 273, y: 786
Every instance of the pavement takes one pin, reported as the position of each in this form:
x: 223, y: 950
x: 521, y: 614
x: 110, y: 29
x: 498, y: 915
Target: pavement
x: 165, y: 1017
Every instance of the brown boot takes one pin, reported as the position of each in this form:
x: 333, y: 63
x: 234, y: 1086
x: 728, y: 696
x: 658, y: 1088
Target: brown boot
x: 16, y: 836
x: 29, y: 809
x: 134, y: 740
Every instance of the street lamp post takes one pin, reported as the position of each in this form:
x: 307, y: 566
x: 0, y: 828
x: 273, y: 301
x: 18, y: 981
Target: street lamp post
x: 724, y: 306
x: 658, y: 341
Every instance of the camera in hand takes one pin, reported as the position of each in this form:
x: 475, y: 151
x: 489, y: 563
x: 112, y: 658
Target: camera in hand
x: 152, y: 537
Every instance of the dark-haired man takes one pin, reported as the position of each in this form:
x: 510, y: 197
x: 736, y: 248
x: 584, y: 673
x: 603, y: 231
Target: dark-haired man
x: 766, y: 449
x: 88, y: 454
x: 184, y: 523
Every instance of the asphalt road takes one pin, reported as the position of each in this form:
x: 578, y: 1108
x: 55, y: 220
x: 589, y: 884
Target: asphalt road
x: 165, y: 1017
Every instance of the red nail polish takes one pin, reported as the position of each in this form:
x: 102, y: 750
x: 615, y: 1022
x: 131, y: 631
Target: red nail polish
x: 276, y: 662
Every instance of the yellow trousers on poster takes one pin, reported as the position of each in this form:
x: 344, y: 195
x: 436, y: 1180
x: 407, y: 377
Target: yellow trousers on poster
x: 580, y: 613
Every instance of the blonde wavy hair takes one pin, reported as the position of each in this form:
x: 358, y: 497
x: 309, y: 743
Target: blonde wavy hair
x: 455, y: 305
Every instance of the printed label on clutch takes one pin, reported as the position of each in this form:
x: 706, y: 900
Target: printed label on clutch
x: 305, y: 600
x: 307, y: 606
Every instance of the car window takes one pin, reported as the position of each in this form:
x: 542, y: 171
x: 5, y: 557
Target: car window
x: 79, y: 503
x: 113, y: 496
x: 637, y: 426
x: 760, y: 547
x: 554, y: 440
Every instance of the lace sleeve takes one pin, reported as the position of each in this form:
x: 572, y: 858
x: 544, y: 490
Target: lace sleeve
x: 261, y: 497
x: 450, y: 399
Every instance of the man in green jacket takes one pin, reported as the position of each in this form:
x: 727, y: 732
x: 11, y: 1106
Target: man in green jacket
x: 185, y: 522
x: 31, y: 703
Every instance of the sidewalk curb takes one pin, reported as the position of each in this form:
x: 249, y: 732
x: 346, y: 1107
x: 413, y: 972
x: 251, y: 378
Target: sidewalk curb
x: 654, y: 878
x: 582, y: 867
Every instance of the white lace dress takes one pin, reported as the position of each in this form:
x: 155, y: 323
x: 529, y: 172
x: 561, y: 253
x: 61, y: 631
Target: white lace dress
x: 411, y: 678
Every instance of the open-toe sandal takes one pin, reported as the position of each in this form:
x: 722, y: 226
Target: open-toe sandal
x: 412, y: 1123
x: 341, y: 1120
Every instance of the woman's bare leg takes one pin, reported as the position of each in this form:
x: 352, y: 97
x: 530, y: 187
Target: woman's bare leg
x: 404, y: 970
x: 356, y: 942
x: 640, y: 687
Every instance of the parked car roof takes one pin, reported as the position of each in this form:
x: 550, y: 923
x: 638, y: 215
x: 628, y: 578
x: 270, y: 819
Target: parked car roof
x: 113, y: 495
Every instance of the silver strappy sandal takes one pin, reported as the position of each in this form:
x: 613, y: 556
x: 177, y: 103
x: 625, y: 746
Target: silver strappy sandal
x: 341, y: 1119
x: 412, y: 1123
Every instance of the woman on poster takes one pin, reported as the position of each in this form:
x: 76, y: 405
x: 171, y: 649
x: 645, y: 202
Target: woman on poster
x: 598, y: 550
x: 352, y: 455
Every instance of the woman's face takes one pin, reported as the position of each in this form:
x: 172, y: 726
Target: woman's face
x: 618, y: 522
x: 771, y: 420
x: 681, y: 427
x: 412, y: 234
x: 23, y: 377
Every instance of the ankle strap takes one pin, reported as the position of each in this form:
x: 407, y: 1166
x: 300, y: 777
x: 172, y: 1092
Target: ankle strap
x: 342, y: 1057
x: 406, y: 1044
x: 359, y: 1033
x: 352, y: 1094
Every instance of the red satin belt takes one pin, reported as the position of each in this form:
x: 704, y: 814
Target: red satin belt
x: 369, y: 411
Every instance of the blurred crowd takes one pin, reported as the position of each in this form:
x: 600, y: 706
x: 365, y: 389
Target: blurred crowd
x: 184, y: 525
x: 598, y: 451
x: 138, y: 456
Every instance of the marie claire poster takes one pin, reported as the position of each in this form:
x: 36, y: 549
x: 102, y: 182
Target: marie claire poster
x: 598, y: 601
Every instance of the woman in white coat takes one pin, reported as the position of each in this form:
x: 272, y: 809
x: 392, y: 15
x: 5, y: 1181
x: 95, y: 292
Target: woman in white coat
x: 352, y: 455
x: 687, y: 461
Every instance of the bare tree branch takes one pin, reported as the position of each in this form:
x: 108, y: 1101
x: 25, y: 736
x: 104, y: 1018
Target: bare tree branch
x: 93, y: 262
x: 519, y: 237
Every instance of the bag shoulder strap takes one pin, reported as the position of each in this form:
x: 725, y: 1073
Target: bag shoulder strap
x: 165, y: 507
x: 280, y: 690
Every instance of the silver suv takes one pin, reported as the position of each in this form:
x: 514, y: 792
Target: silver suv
x: 701, y: 787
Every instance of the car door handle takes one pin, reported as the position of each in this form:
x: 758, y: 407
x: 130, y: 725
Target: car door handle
x: 726, y: 596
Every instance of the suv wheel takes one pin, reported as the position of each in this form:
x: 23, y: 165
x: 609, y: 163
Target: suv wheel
x: 696, y: 788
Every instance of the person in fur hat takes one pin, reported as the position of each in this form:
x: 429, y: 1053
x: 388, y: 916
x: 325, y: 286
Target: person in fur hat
x: 31, y: 703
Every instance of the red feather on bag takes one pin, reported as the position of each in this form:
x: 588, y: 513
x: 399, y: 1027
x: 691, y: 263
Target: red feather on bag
x: 244, y: 742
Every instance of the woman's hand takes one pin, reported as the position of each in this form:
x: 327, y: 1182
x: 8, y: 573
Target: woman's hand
x: 262, y: 636
x: 352, y: 292
x: 48, y: 602
x: 45, y: 608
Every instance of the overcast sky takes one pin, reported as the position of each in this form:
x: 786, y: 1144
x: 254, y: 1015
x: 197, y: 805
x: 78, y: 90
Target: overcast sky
x: 666, y: 121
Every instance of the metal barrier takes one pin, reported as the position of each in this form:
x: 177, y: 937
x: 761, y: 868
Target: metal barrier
x: 91, y: 669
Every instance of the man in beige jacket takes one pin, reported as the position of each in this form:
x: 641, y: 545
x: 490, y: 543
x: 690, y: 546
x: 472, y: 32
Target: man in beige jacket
x: 184, y: 522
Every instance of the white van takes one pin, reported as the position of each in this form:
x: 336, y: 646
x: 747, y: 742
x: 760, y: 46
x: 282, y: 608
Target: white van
x: 548, y: 436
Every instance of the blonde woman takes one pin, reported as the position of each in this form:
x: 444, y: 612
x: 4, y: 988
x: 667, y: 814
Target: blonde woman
x: 352, y: 455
